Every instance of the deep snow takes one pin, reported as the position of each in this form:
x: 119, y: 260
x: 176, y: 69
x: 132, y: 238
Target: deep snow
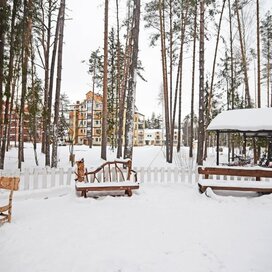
x: 162, y: 227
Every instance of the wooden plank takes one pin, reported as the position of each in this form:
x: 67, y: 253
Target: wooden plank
x: 44, y: 178
x: 9, y: 183
x: 26, y: 180
x: 61, y: 177
x: 247, y: 189
x: 53, y: 177
x: 35, y: 179
x: 176, y: 175
x: 69, y: 176
x: 108, y: 188
x: 243, y: 172
x: 168, y: 175
x: 156, y: 171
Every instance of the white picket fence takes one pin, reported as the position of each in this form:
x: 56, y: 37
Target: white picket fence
x: 166, y: 175
x: 41, y: 178
x: 46, y: 178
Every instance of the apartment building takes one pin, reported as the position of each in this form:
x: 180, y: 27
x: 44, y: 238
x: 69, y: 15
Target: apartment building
x: 157, y: 137
x: 14, y: 126
x: 87, y: 114
x: 139, y: 126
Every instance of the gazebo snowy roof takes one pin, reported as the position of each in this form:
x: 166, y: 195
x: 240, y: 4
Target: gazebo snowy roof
x: 255, y: 122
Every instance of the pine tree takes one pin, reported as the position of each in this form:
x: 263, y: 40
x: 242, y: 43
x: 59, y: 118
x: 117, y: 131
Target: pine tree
x: 54, y: 161
x: 128, y: 150
x: 105, y: 85
x: 266, y: 38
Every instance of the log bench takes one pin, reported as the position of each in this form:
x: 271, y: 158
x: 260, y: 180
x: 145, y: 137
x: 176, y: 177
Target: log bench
x: 11, y: 184
x: 256, y: 185
x: 116, y: 175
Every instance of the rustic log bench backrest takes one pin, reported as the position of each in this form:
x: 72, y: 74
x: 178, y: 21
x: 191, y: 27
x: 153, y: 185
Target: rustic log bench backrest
x: 108, y: 172
x: 247, y: 172
x: 11, y: 184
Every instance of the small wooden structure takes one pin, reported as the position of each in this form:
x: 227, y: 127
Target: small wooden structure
x: 110, y: 176
x: 11, y: 184
x: 256, y: 185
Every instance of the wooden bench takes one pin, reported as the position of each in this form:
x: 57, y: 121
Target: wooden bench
x: 11, y: 184
x: 110, y: 176
x: 256, y: 185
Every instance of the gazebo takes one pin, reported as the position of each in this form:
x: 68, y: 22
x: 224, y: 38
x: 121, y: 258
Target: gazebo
x: 248, y: 122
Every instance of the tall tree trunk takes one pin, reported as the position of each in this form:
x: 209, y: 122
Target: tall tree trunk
x: 231, y: 57
x: 209, y: 110
x: 92, y: 113
x: 105, y: 86
x: 123, y: 88
x: 128, y: 150
x: 35, y: 101
x: 50, y: 93
x: 175, y: 104
x: 2, y: 45
x: 244, y: 60
x: 258, y: 56
x: 54, y: 161
x: 201, y: 120
x: 122, y: 108
x: 118, y: 83
x: 232, y: 91
x: 46, y: 79
x: 214, y: 64
x: 268, y: 80
x: 27, y: 22
x: 165, y: 81
x: 171, y: 63
x: 12, y: 111
x: 193, y: 85
x: 8, y: 105
x: 180, y: 108
x: 183, y: 28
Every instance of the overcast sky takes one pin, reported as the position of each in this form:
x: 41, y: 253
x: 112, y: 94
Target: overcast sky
x: 84, y: 33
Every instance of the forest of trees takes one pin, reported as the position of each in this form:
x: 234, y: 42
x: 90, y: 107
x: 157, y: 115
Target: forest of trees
x: 240, y: 38
x: 236, y: 74
x: 31, y: 45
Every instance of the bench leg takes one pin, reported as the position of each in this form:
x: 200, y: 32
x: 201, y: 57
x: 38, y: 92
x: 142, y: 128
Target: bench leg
x: 128, y: 192
x: 84, y: 193
x: 201, y: 189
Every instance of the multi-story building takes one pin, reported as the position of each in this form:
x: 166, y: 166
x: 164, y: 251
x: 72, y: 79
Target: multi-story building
x: 13, y: 126
x: 157, y: 137
x: 88, y: 114
x: 139, y: 126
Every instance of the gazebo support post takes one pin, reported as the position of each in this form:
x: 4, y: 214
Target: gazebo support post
x: 244, y: 144
x: 217, y: 147
x: 269, y: 151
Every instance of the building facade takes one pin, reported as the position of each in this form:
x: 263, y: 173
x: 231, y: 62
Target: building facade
x: 157, y: 137
x: 85, y: 122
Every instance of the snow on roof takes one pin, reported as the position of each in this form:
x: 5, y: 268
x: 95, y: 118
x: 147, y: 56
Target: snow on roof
x: 243, y: 120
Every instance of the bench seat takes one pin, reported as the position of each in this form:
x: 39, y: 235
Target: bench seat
x: 107, y: 184
x: 235, y: 185
x: 127, y: 186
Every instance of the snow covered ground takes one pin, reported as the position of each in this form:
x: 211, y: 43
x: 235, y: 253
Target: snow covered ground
x: 162, y: 227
